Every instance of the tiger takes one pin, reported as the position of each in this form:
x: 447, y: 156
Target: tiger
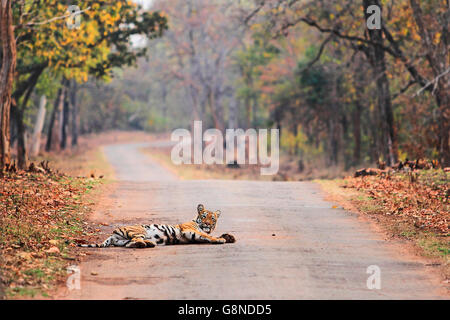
x: 151, y: 235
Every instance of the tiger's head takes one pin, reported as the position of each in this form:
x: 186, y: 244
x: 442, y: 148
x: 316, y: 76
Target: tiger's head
x: 206, y: 219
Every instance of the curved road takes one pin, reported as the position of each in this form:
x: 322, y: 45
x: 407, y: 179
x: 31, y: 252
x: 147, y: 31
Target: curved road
x: 291, y: 244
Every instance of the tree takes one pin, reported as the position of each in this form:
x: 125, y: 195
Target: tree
x: 433, y: 28
x: 39, y: 125
x: 376, y: 55
x: 45, y: 42
x: 200, y: 43
x: 6, y: 78
x: 249, y: 61
x: 403, y: 27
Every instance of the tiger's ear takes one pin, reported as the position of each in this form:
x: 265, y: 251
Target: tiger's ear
x: 200, y: 208
x: 218, y: 213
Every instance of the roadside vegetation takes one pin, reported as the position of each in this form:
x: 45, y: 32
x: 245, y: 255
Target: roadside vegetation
x: 41, y: 213
x: 43, y: 210
x: 411, y: 206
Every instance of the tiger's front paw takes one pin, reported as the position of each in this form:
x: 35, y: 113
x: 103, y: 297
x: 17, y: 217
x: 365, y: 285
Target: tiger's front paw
x: 228, y: 238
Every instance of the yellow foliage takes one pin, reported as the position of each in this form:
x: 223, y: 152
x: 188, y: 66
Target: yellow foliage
x: 437, y: 38
x: 294, y: 143
x: 72, y: 52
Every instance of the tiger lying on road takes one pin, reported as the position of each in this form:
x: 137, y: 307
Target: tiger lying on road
x: 148, y: 236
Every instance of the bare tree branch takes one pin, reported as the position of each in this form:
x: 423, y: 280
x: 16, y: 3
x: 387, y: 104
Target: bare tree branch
x: 336, y: 32
x: 435, y: 81
x: 30, y: 24
x: 319, y: 54
x: 399, y: 54
x: 403, y: 90
x: 254, y: 12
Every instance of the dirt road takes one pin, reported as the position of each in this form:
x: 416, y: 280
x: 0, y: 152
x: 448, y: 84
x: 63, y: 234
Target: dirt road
x: 291, y: 244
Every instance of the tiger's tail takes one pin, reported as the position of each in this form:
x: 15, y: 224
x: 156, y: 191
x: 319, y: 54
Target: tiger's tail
x: 91, y: 245
x: 104, y: 244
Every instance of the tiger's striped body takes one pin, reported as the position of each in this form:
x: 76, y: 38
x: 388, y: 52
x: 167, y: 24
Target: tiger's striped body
x: 149, y: 236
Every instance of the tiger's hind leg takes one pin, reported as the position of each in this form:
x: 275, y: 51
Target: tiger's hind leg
x: 140, y: 242
x: 115, y: 240
x: 121, y: 242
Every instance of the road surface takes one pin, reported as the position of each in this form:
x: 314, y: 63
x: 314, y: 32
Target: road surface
x: 291, y: 244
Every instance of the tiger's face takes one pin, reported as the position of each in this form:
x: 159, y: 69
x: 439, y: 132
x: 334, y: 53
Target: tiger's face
x: 206, y: 219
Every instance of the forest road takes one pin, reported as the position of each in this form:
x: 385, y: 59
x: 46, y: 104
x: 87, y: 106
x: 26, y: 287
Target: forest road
x: 291, y: 243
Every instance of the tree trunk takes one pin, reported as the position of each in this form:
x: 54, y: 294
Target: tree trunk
x: 357, y: 134
x: 232, y: 114
x: 444, y: 126
x: 51, y: 125
x: 374, y: 133
x: 74, y: 106
x: 12, y: 125
x: 38, y: 126
x: 438, y: 60
x: 6, y: 79
x: 164, y: 102
x: 383, y: 92
x: 217, y: 110
x: 65, y: 117
x: 22, y: 156
x: 248, y: 112
x: 333, y: 142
